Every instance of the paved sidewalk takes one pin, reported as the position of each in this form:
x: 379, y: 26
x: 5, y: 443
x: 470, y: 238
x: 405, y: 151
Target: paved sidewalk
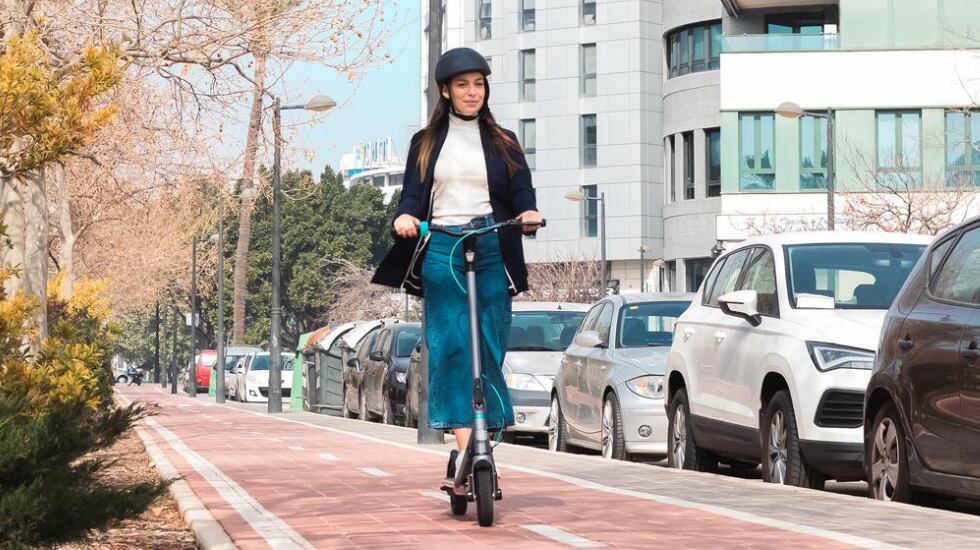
x: 301, y: 480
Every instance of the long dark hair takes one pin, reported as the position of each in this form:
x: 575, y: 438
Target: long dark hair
x: 501, y: 143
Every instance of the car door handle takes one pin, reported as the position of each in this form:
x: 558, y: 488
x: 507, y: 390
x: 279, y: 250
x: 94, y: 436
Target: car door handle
x: 972, y: 352
x: 720, y: 337
x: 906, y: 344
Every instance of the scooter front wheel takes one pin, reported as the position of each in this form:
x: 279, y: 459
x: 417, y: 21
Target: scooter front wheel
x: 484, y: 493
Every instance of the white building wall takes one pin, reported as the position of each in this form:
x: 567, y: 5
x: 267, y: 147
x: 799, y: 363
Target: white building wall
x: 627, y: 108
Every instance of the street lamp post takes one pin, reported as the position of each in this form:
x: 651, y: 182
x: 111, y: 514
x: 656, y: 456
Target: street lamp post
x: 792, y: 110
x: 578, y: 196
x: 192, y: 371
x: 219, y: 370
x: 318, y: 103
x: 173, y: 351
x: 643, y: 280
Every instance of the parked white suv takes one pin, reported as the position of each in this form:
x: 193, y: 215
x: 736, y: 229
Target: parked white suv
x: 771, y: 361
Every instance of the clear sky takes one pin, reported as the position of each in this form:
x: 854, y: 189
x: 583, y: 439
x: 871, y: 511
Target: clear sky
x: 385, y: 102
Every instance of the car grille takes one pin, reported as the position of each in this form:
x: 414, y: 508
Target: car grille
x: 264, y: 391
x: 841, y: 409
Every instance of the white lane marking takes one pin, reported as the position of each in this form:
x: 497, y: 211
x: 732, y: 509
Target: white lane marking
x: 375, y: 472
x: 562, y: 536
x: 853, y: 540
x: 328, y: 457
x: 184, y: 405
x: 441, y: 496
x: 274, y: 530
x: 296, y: 448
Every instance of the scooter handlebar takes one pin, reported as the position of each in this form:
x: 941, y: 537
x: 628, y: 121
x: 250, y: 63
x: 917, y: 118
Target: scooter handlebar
x: 425, y: 227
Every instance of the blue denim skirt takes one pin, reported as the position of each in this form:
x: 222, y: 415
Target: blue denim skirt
x: 447, y: 331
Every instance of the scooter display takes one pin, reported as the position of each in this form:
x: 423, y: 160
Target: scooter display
x: 476, y: 478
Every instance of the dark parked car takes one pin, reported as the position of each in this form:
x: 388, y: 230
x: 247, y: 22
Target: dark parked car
x: 922, y: 410
x: 357, y: 343
x: 384, y: 372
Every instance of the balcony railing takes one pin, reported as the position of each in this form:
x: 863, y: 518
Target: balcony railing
x: 754, y: 43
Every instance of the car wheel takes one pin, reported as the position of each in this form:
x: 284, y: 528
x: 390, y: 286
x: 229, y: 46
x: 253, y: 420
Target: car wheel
x: 782, y: 460
x: 683, y: 451
x: 612, y: 440
x: 888, y: 470
x: 387, y: 415
x: 362, y: 411
x: 556, y: 428
x: 122, y: 379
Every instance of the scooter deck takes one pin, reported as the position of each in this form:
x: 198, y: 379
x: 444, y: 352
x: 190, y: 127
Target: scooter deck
x: 449, y: 486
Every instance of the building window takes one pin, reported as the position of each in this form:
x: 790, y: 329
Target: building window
x: 589, y: 141
x: 588, y: 12
x: 813, y: 152
x: 590, y: 211
x: 756, y: 144
x: 688, y: 138
x: 696, y: 270
x: 484, y: 19
x: 899, y: 160
x: 712, y: 139
x: 694, y: 49
x: 489, y: 61
x: 527, y: 15
x: 527, y: 75
x: 588, y: 70
x: 963, y: 148
x: 672, y: 179
x: 528, y: 141
x: 795, y: 23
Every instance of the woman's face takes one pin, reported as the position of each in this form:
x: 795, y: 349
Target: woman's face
x: 467, y: 92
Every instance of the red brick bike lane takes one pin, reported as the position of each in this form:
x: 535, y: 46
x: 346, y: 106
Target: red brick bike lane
x: 272, y: 482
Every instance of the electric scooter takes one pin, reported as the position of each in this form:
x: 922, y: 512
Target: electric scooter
x: 477, y: 473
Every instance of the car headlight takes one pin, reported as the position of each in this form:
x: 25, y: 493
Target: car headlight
x: 651, y: 386
x: 520, y: 381
x: 830, y: 357
x: 400, y: 377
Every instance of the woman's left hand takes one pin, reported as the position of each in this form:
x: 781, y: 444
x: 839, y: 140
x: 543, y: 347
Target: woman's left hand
x: 531, y: 216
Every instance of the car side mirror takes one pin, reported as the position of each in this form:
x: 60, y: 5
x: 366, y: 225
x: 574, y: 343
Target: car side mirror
x: 589, y: 339
x: 743, y: 304
x: 240, y: 369
x: 354, y: 363
x: 376, y: 356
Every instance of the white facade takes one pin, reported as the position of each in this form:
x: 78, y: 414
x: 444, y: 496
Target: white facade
x: 626, y: 105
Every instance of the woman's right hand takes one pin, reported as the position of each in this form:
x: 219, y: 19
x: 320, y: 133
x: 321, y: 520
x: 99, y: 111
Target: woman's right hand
x: 407, y: 226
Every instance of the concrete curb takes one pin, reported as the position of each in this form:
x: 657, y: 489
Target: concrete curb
x: 210, y: 534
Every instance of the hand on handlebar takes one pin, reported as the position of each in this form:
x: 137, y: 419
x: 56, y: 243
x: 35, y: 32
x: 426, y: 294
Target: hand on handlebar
x: 406, y: 226
x: 533, y: 219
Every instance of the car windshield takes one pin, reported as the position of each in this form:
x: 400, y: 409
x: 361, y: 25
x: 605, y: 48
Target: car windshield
x: 543, y: 330
x: 231, y: 361
x: 261, y: 362
x: 853, y: 275
x: 407, y: 338
x: 649, y: 323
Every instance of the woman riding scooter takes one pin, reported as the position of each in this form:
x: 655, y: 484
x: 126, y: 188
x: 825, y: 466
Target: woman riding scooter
x: 464, y: 172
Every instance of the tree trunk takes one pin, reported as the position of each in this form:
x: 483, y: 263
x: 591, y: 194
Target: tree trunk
x: 25, y: 213
x: 248, y: 193
x: 66, y: 256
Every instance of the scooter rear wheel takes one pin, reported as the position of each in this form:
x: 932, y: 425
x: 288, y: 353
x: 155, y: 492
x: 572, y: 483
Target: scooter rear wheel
x: 458, y: 504
x: 483, y: 492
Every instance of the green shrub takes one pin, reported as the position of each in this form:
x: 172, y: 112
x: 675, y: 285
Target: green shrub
x: 55, y: 410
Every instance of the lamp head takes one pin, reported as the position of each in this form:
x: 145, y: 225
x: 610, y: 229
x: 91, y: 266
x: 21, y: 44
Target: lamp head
x: 575, y: 196
x: 320, y: 103
x: 789, y: 109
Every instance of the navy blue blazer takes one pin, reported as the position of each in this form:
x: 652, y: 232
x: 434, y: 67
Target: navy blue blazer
x: 510, y: 196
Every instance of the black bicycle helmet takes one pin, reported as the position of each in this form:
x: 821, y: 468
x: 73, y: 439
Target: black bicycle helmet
x: 458, y: 61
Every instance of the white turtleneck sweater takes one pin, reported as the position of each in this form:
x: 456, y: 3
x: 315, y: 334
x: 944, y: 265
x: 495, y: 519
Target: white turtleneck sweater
x: 460, y: 192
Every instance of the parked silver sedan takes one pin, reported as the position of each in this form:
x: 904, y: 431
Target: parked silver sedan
x: 609, y: 391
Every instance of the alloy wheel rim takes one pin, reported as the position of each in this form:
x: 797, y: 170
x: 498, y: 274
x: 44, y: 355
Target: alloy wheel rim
x: 777, y: 448
x: 679, y: 433
x: 553, y: 426
x: 885, y: 458
x: 607, y: 437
